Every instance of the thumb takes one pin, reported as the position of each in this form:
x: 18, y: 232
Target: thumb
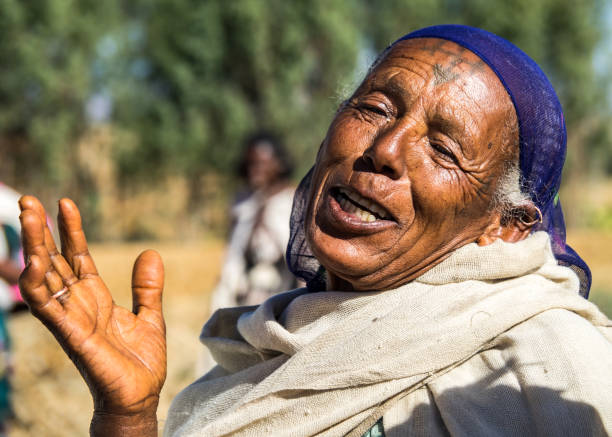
x: 147, y: 286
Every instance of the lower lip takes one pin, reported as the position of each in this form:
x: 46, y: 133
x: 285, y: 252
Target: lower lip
x: 349, y: 223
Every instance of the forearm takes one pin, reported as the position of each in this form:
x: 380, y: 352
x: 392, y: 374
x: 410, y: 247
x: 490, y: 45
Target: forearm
x: 9, y: 271
x: 140, y: 425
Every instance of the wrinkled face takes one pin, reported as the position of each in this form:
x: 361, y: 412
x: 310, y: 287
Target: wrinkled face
x: 409, y: 165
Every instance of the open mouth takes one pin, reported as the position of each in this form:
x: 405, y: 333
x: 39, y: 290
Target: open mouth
x: 359, y: 206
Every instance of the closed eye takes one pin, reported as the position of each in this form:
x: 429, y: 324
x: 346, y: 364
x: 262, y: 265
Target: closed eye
x: 376, y: 110
x: 447, y: 154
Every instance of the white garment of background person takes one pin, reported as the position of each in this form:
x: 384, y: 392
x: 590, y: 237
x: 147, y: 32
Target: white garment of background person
x: 9, y: 216
x: 254, y: 266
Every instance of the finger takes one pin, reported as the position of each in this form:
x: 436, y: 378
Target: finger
x: 54, y: 282
x: 32, y: 203
x: 28, y: 202
x: 33, y: 244
x: 147, y: 287
x: 35, y: 292
x: 58, y: 261
x: 33, y: 238
x: 73, y: 241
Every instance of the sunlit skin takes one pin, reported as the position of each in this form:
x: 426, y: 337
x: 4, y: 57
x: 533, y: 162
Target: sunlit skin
x: 423, y: 137
x: 121, y: 354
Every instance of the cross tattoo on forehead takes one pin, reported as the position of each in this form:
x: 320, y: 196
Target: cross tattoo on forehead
x: 456, y: 53
x: 444, y: 74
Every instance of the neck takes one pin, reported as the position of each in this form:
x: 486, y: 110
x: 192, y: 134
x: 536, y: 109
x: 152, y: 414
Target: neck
x: 336, y: 283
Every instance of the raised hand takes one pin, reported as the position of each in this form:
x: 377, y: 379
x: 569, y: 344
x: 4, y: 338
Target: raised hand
x: 121, y: 354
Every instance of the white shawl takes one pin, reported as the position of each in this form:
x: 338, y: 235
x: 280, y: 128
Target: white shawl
x: 327, y: 363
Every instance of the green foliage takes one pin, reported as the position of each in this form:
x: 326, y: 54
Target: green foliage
x: 188, y: 79
x: 218, y: 70
x: 601, y: 218
x: 44, y: 83
x: 603, y: 299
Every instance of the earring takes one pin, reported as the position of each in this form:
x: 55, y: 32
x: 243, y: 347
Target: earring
x: 540, y: 218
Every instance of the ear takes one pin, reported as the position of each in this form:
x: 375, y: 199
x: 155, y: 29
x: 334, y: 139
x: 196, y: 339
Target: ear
x: 511, y: 229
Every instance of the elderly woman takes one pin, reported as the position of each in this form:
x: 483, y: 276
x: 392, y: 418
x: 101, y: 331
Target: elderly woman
x: 441, y: 296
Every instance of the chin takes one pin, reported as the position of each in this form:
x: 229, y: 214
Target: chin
x: 344, y: 260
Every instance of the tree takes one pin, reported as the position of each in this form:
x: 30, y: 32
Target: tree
x: 179, y: 83
x: 47, y: 50
x: 217, y: 70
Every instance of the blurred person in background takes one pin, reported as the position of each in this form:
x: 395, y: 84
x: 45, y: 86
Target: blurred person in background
x: 10, y: 298
x: 10, y: 248
x: 255, y: 266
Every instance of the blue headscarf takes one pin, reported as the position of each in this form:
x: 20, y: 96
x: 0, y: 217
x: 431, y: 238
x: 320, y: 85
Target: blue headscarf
x: 542, y: 136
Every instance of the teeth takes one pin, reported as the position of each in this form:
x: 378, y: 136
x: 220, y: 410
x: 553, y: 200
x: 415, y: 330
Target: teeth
x: 364, y: 215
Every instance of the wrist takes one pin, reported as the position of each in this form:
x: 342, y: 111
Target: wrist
x: 142, y: 424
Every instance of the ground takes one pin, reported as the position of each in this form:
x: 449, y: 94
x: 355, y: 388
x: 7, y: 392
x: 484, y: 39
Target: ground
x: 51, y: 399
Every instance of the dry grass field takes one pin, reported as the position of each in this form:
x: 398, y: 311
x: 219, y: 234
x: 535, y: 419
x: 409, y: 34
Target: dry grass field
x: 596, y: 249
x: 50, y: 398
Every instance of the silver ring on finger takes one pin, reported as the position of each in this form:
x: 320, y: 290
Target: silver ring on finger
x: 60, y: 293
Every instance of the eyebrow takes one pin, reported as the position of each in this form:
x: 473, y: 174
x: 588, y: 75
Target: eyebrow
x: 445, y: 124
x: 396, y: 91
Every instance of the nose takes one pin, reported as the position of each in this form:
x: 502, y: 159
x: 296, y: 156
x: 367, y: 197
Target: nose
x: 386, y: 156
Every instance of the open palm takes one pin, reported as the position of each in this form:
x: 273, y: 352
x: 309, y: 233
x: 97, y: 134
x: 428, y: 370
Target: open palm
x: 121, y: 354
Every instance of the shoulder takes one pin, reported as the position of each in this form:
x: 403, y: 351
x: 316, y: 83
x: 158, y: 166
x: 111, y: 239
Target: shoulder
x: 561, y: 350
x: 282, y: 198
x: 561, y: 337
x: 278, y: 210
x: 549, y: 375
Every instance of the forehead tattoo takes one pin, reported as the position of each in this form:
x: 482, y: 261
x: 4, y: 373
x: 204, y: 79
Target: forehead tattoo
x: 444, y: 74
x: 457, y: 55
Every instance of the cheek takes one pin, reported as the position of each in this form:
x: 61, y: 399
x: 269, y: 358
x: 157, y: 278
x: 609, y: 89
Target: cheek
x: 316, y: 187
x: 432, y: 186
x: 345, y: 142
x: 347, y: 137
x: 444, y: 197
